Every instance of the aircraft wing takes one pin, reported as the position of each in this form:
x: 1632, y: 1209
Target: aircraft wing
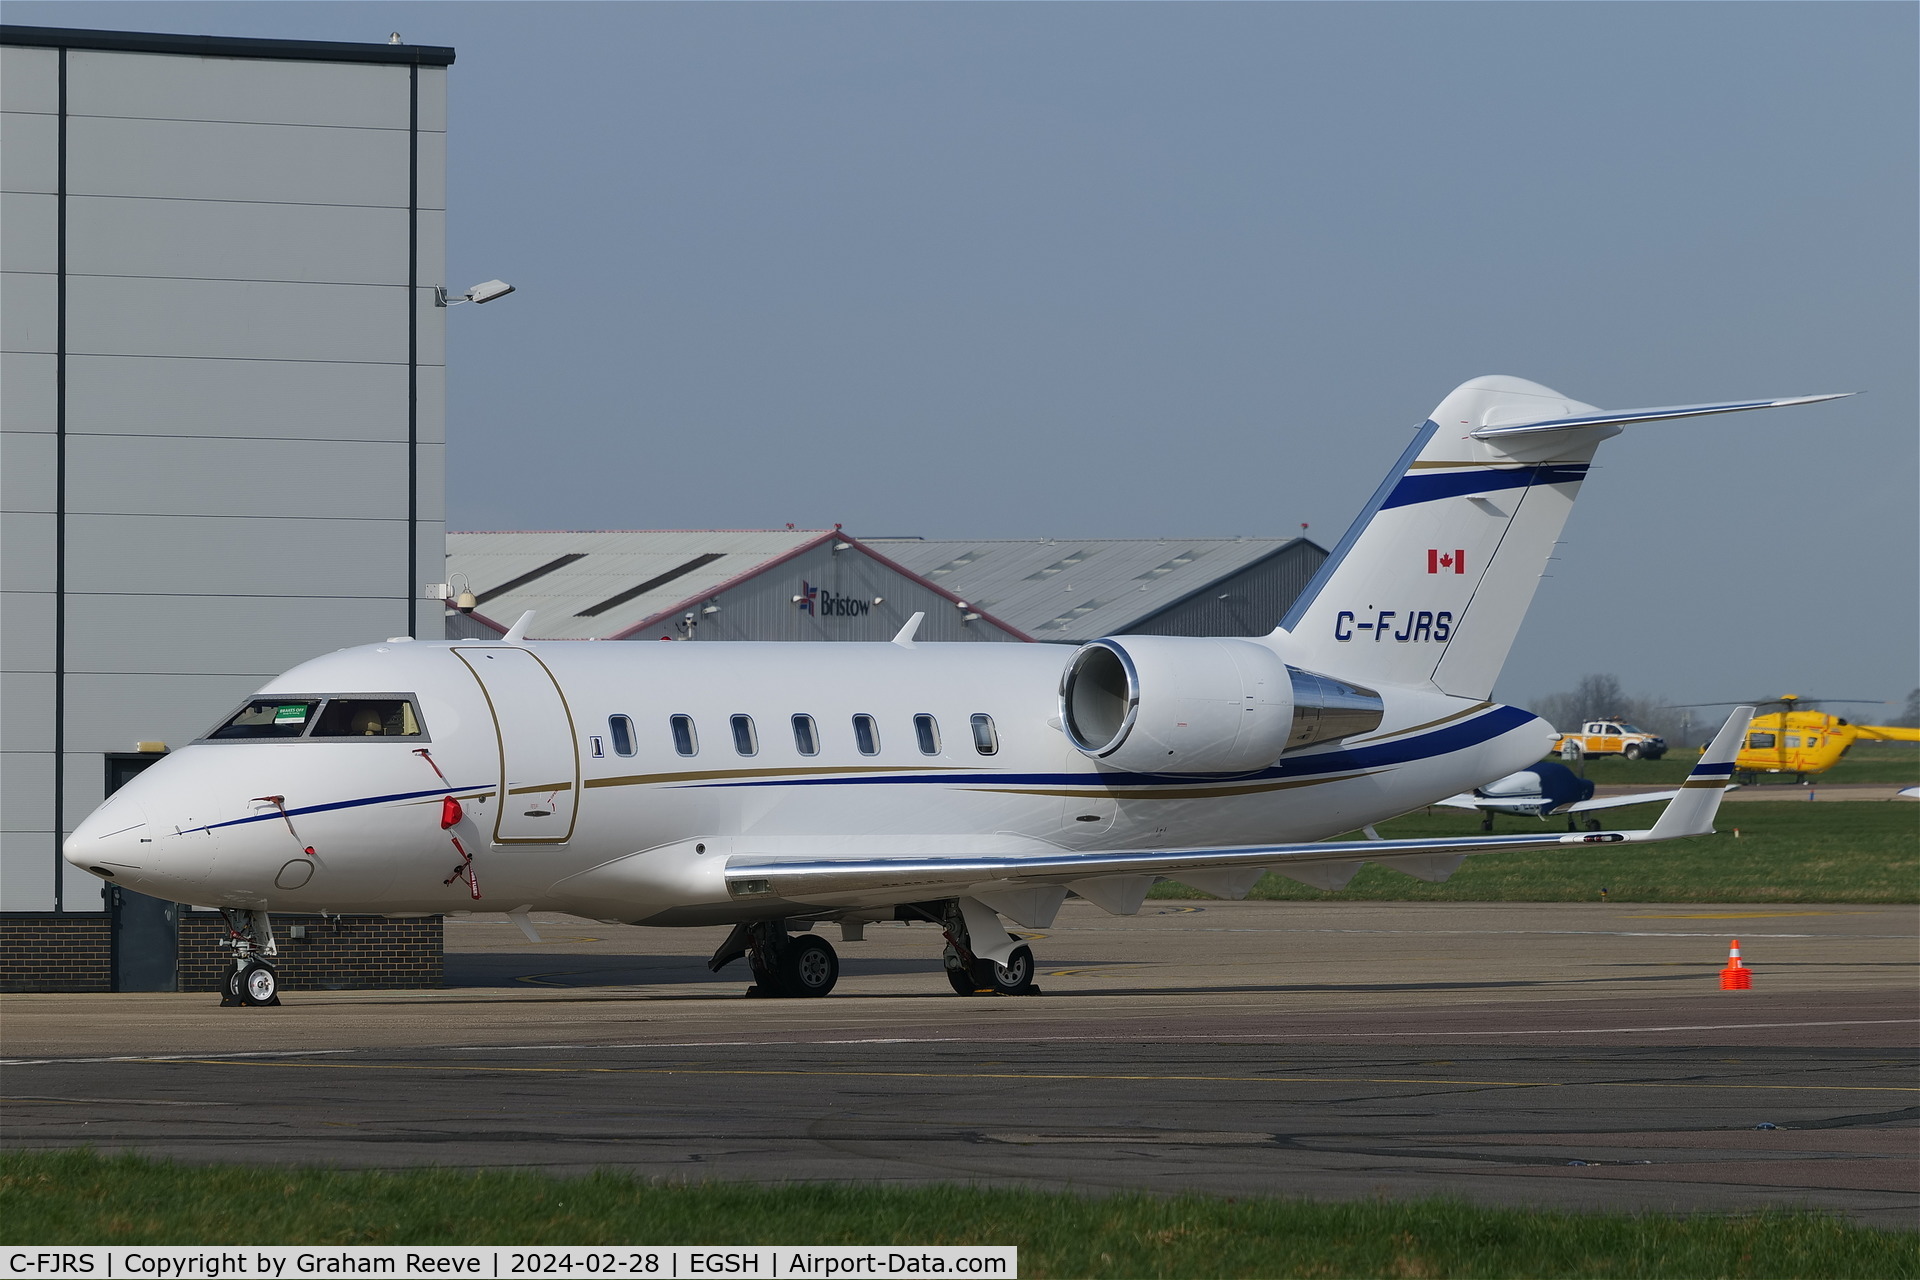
x: 1029, y: 886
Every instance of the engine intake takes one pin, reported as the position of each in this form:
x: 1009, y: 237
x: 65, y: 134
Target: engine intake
x: 1182, y: 704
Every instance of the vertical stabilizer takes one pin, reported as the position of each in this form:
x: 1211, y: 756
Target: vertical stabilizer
x: 1432, y: 581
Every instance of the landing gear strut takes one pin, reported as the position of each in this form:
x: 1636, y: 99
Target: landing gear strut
x: 782, y: 965
x: 252, y: 981
x: 969, y: 974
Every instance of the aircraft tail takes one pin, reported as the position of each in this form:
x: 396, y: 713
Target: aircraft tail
x: 1431, y: 583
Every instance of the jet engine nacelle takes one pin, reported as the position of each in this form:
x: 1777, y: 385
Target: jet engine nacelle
x: 1182, y: 704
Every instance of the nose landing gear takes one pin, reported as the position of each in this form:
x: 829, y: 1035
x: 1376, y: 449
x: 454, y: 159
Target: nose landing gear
x: 252, y: 981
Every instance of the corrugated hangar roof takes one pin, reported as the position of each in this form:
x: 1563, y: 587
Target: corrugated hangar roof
x: 1073, y: 589
x: 604, y: 582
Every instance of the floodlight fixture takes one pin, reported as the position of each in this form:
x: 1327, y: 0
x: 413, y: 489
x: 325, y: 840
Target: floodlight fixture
x: 486, y: 291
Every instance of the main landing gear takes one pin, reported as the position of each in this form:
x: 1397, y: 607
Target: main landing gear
x: 252, y: 981
x: 970, y: 975
x: 782, y: 966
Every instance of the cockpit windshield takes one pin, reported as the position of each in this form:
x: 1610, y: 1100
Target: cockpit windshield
x: 330, y: 718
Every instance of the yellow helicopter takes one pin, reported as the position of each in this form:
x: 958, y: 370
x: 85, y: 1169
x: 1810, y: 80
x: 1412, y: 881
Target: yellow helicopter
x: 1802, y: 742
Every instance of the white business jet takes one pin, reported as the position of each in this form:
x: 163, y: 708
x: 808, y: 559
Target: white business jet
x: 772, y: 786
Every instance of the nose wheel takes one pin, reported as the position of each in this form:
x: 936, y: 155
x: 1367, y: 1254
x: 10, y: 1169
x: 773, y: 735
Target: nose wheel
x: 251, y: 981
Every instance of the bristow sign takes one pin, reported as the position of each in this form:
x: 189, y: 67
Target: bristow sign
x: 822, y: 603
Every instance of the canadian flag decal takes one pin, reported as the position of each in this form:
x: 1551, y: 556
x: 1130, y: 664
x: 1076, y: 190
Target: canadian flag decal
x: 1441, y: 561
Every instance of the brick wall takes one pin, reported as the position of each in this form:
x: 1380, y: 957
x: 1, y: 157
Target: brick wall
x: 73, y: 951
x: 339, y: 953
x: 55, y: 951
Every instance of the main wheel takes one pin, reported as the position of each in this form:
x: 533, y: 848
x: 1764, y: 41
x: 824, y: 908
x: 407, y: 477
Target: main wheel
x: 959, y: 975
x: 808, y: 966
x: 1014, y: 978
x: 231, y: 988
x: 1631, y: 751
x: 259, y: 985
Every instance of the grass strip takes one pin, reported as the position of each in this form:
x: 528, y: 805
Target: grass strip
x: 1787, y: 851
x: 78, y: 1197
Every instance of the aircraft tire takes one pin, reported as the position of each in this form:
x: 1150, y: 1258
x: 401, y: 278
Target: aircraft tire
x: 230, y: 988
x: 1014, y: 978
x: 259, y: 985
x: 808, y: 966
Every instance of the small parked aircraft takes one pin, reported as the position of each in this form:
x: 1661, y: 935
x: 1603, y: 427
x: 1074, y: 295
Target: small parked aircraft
x: 771, y: 786
x: 1544, y: 790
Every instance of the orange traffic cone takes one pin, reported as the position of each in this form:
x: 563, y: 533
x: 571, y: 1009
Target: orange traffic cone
x: 1736, y: 976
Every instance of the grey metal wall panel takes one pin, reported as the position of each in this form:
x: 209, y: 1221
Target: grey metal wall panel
x: 28, y: 313
x: 27, y: 391
x: 29, y: 152
x: 433, y: 497
x: 30, y: 79
x: 27, y: 550
x: 432, y: 322
x: 26, y: 708
x: 26, y: 871
x: 27, y: 471
x: 26, y: 631
x: 432, y: 404
x: 84, y: 786
x: 172, y: 475
x: 433, y: 255
x: 111, y: 712
x: 433, y: 171
x: 256, y: 636
x: 433, y: 99
x: 29, y: 231
x: 235, y: 319
x: 261, y: 399
x: 238, y: 556
x: 233, y: 240
x: 246, y: 90
x: 198, y: 160
x: 26, y: 791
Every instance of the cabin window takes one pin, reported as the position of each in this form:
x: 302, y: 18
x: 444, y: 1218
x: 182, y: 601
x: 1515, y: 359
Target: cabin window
x: 926, y: 731
x: 685, y: 741
x: 985, y: 740
x: 367, y: 718
x: 269, y: 718
x: 1760, y: 741
x: 1792, y: 740
x: 866, y: 735
x: 621, y: 727
x: 745, y: 741
x: 806, y: 737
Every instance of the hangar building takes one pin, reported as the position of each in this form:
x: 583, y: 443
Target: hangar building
x: 222, y: 375
x: 829, y: 585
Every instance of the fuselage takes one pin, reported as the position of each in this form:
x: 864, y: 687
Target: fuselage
x: 568, y: 757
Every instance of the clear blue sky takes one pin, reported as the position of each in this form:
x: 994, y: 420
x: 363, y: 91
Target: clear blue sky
x: 1115, y: 270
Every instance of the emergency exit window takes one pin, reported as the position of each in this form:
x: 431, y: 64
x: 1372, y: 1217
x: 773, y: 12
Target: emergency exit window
x: 684, y: 739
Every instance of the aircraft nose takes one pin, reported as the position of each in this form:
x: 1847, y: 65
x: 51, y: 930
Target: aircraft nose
x: 112, y: 841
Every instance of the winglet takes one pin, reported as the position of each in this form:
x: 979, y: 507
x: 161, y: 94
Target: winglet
x: 907, y: 633
x: 518, y: 631
x: 1691, y: 812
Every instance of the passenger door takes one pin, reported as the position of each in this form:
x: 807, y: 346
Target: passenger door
x: 539, y: 758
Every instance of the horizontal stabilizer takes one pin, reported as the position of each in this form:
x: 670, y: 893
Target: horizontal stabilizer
x: 1624, y: 416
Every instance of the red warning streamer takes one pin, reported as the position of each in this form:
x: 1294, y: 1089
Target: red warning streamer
x: 280, y: 803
